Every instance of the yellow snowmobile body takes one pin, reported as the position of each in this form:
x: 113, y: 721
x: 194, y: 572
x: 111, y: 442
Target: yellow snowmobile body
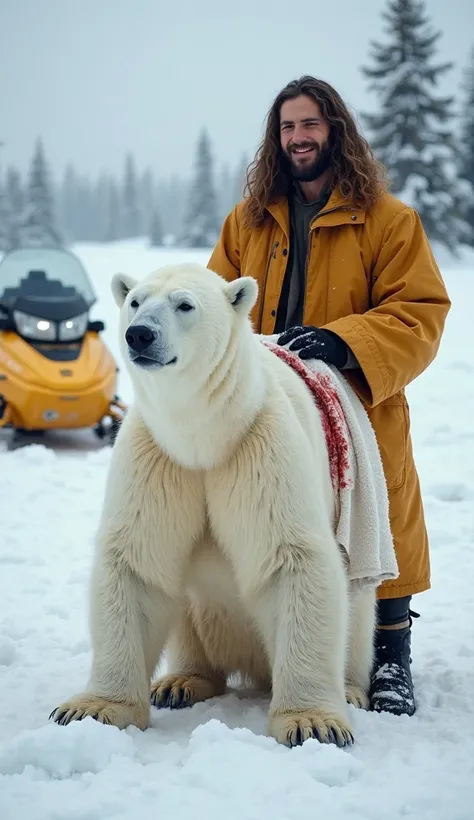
x: 55, y: 370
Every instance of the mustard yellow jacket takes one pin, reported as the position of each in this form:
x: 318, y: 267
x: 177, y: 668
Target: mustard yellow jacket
x: 371, y: 277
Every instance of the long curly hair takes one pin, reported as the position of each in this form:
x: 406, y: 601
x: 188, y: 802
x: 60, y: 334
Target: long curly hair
x: 354, y: 168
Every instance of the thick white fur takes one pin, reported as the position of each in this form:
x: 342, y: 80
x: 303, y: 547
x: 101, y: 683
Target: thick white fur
x: 216, y: 536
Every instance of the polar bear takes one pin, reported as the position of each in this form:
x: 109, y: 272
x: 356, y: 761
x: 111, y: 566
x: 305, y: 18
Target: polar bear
x: 216, y: 535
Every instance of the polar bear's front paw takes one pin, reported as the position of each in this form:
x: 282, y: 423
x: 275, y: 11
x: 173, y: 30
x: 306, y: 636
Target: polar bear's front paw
x: 293, y: 728
x: 356, y: 696
x: 102, y: 710
x: 179, y: 691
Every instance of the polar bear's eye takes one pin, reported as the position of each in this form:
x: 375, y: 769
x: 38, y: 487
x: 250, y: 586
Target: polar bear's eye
x: 134, y: 304
x: 185, y: 306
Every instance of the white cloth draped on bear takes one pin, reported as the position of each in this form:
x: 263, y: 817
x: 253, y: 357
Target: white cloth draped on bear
x: 362, y: 526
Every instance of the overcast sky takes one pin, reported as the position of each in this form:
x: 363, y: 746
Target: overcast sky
x: 98, y: 77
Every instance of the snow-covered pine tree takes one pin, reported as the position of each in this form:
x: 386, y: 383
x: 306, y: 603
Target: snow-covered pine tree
x: 202, y: 224
x: 101, y: 202
x: 240, y: 179
x: 172, y: 197
x: 411, y: 133
x: 156, y: 229
x: 146, y: 200
x: 466, y: 169
x: 39, y: 227
x: 130, y: 216
x: 86, y: 210
x: 15, y: 207
x: 68, y: 204
x: 112, y: 232
x: 4, y: 217
x: 225, y: 192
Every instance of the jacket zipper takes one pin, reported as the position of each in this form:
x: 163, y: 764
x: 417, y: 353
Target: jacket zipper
x: 306, y: 262
x: 272, y: 256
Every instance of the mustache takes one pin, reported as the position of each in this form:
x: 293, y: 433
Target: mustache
x: 298, y: 145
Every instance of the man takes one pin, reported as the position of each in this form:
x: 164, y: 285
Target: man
x: 346, y: 273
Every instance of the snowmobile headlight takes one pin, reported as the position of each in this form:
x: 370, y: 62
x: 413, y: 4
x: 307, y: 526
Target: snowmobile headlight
x: 73, y: 328
x: 33, y: 327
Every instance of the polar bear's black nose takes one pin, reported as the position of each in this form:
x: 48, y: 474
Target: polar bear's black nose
x: 139, y: 337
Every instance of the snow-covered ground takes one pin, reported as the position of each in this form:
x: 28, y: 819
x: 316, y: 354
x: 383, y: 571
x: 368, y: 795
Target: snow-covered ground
x: 214, y: 760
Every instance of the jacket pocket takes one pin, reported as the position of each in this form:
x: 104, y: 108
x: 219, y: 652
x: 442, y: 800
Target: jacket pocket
x: 390, y: 420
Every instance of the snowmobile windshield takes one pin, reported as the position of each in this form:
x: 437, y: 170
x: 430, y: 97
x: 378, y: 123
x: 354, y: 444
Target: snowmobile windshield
x: 49, y: 283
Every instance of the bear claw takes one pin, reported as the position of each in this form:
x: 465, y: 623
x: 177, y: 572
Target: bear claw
x: 182, y: 691
x: 294, y: 728
x: 108, y: 712
x: 356, y: 696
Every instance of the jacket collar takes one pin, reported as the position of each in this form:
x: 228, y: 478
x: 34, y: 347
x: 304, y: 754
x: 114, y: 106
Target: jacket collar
x: 337, y: 211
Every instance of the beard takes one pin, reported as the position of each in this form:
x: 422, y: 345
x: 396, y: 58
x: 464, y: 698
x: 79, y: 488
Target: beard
x: 308, y: 172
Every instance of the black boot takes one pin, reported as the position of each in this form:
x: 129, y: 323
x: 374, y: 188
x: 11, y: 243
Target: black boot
x: 391, y: 687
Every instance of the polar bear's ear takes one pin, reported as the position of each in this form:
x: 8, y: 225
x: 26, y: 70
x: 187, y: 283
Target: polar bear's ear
x: 121, y: 286
x: 242, y: 294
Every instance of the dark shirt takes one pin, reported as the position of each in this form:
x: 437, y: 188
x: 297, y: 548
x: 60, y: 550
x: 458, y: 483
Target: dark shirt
x: 290, y: 309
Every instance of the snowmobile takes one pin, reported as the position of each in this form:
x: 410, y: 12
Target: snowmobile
x: 56, y: 373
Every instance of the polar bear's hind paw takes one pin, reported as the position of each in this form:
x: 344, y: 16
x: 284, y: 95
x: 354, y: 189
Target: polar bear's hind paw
x: 180, y: 691
x: 356, y: 696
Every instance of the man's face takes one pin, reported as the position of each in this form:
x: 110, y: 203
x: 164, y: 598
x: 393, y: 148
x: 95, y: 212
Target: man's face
x: 304, y: 137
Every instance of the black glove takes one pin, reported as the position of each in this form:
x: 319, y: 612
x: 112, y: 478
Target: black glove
x: 314, y: 343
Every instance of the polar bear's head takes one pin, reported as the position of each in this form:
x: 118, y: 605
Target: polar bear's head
x: 180, y: 315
